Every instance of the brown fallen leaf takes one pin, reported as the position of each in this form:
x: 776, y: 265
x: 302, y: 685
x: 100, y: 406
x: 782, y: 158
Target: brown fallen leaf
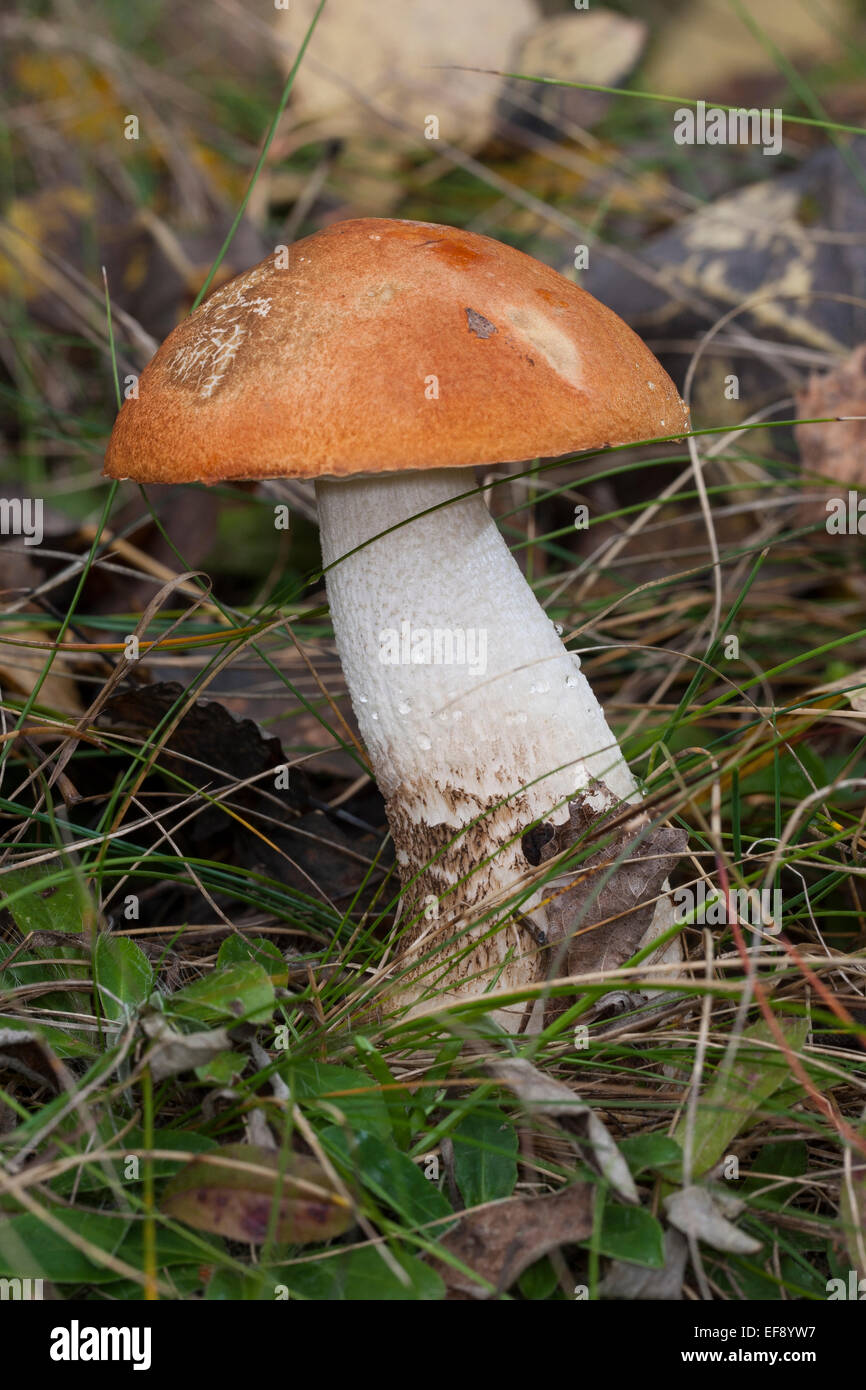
x: 542, y: 1095
x: 20, y: 666
x: 207, y: 733
x: 236, y: 1198
x: 623, y: 905
x: 211, y: 747
x: 594, y: 46
x: 404, y: 60
x: 778, y: 252
x: 24, y: 1052
x: 706, y: 47
x: 498, y: 1242
x: 833, y: 451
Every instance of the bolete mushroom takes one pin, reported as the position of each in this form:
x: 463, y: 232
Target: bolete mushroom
x: 383, y: 358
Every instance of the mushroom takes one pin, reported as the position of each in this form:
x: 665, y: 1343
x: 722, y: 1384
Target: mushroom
x: 383, y: 358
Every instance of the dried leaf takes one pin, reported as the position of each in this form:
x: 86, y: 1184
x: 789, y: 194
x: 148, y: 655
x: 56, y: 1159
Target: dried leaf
x: 209, y: 740
x: 500, y: 1241
x: 175, y: 1052
x: 22, y: 1051
x: 212, y: 745
x: 624, y: 905
x: 703, y: 1214
x: 386, y: 55
x: 541, y: 1095
x: 22, y: 666
x: 705, y: 47
x: 833, y: 451
x: 238, y: 1202
x: 596, y: 46
x: 632, y: 1282
x: 780, y: 232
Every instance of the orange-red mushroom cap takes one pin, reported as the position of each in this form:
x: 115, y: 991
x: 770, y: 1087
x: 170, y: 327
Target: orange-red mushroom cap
x: 378, y: 345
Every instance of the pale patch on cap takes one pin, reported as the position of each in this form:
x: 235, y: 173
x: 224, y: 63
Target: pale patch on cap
x: 550, y: 341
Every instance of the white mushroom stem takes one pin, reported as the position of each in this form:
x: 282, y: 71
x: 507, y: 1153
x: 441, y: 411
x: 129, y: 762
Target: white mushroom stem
x: 473, y: 712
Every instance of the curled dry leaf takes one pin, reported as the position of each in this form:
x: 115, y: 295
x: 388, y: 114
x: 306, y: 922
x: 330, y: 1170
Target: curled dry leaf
x: 616, y: 887
x: 541, y: 1095
x: 833, y: 451
x: 498, y: 1242
x: 24, y: 1051
x: 778, y: 251
x: 175, y: 1052
x: 240, y: 1199
x: 402, y: 60
x: 632, y: 1283
x: 212, y: 746
x: 209, y: 741
x: 597, y: 46
x: 698, y: 1212
x: 705, y: 47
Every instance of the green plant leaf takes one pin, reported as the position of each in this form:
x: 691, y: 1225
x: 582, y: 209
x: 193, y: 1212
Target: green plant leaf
x: 236, y: 992
x: 61, y: 1043
x: 236, y: 949
x: 485, y: 1155
x: 785, y: 1158
x: 185, y: 1280
x: 631, y: 1233
x: 91, y: 1178
x: 185, y: 1141
x: 538, y: 1281
x: 31, y: 1250
x: 398, y: 1100
x: 361, y: 1276
x: 39, y: 904
x: 728, y: 1106
x: 231, y: 1285
x: 650, y: 1151
x: 223, y: 1069
x: 391, y: 1176
x: 49, y: 898
x: 343, y: 1089
x: 123, y: 973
